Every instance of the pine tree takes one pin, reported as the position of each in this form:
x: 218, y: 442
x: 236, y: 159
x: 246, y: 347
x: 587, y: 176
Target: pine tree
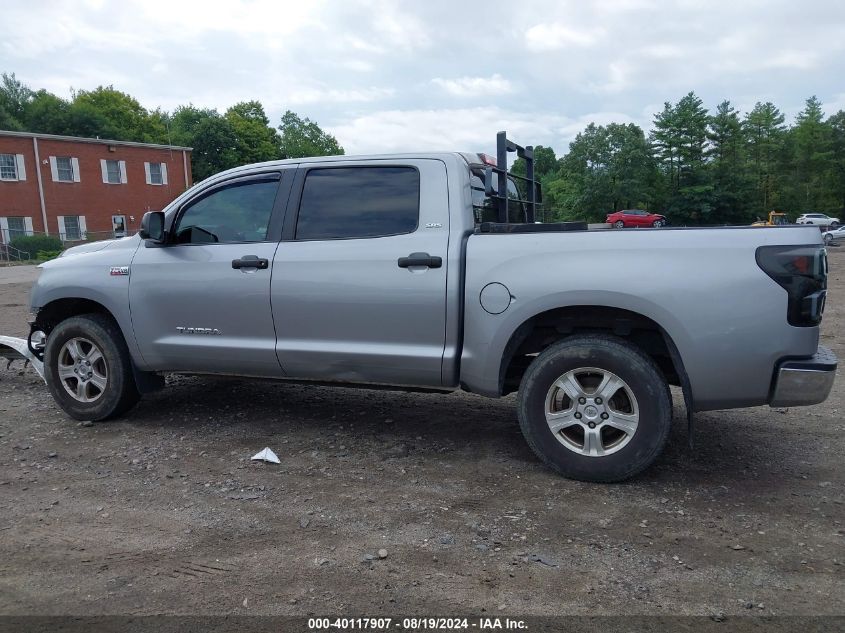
x: 732, y: 194
x: 765, y: 132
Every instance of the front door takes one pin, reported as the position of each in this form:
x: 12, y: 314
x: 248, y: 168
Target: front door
x: 201, y: 302
x: 359, y: 280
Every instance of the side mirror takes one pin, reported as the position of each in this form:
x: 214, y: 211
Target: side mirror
x: 152, y: 226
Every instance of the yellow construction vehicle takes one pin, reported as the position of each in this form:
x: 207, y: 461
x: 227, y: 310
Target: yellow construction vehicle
x: 776, y: 218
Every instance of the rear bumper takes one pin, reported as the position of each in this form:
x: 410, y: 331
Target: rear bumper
x: 805, y: 381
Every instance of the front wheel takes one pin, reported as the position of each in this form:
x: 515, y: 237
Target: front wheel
x: 619, y: 224
x: 828, y: 239
x: 834, y: 224
x: 88, y: 369
x: 658, y: 223
x: 595, y: 408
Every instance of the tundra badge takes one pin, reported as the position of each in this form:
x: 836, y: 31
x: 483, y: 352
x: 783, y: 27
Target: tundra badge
x: 197, y: 330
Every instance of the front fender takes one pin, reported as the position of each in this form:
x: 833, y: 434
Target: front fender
x: 89, y: 276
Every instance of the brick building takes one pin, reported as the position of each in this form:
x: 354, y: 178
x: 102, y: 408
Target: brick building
x: 71, y: 187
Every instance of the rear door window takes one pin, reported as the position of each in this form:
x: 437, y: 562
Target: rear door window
x: 358, y: 202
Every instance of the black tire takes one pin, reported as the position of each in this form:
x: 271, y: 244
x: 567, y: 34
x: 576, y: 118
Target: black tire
x: 658, y: 223
x: 619, y: 224
x: 120, y: 392
x: 642, y: 377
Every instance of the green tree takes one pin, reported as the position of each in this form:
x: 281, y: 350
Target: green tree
x: 302, y: 137
x: 607, y: 168
x: 732, y: 193
x: 836, y: 176
x: 665, y: 141
x: 545, y: 163
x: 48, y: 114
x: 14, y: 100
x: 256, y: 140
x: 212, y: 137
x: 810, y: 141
x: 120, y: 115
x: 765, y: 132
x: 679, y: 140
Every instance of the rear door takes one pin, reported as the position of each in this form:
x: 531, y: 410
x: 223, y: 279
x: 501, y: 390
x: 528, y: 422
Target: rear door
x: 359, y: 280
x: 201, y: 302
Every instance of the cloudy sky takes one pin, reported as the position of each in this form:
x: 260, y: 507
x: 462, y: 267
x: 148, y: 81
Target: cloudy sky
x: 436, y: 74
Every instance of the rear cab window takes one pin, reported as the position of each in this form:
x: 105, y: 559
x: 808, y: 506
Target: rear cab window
x: 484, y: 208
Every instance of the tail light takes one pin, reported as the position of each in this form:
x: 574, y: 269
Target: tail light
x: 802, y: 272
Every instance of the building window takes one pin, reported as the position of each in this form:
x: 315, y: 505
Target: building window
x: 114, y: 171
x: 17, y: 227
x: 12, y: 167
x: 13, y: 227
x: 8, y: 167
x: 71, y: 227
x: 64, y: 168
x: 156, y: 173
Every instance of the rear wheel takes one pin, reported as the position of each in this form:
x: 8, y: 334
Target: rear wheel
x: 619, y: 224
x: 595, y: 408
x: 88, y: 369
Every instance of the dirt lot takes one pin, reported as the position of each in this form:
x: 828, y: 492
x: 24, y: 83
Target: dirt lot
x: 162, y: 512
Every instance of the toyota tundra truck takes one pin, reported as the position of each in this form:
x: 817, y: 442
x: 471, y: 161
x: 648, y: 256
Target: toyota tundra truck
x: 430, y: 271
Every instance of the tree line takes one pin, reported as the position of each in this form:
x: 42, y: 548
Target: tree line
x: 701, y: 167
x: 695, y: 166
x: 240, y: 135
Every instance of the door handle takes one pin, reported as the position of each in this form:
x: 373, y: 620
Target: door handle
x: 420, y: 259
x: 251, y: 261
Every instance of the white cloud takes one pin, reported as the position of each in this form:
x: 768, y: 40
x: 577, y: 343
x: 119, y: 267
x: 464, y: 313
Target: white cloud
x: 306, y: 95
x: 461, y: 129
x: 792, y: 59
x: 475, y: 86
x: 364, y: 68
x: 554, y: 36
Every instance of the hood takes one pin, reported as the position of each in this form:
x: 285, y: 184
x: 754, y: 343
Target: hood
x: 91, y: 247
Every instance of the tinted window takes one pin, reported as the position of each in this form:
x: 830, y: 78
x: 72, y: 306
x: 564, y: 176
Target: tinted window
x: 358, y: 202
x: 484, y: 208
x: 238, y: 213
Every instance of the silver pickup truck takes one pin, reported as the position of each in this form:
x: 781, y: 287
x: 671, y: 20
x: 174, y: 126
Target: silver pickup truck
x: 429, y: 271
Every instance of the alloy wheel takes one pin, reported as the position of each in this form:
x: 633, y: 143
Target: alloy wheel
x: 82, y: 370
x: 592, y: 411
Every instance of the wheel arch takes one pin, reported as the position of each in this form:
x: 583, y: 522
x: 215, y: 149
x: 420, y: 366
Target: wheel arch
x: 59, y: 309
x: 542, y: 329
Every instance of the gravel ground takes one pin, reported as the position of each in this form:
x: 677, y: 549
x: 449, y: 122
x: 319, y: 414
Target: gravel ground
x: 162, y: 512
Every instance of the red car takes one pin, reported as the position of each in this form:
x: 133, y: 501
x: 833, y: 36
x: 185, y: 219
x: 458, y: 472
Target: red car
x: 635, y: 217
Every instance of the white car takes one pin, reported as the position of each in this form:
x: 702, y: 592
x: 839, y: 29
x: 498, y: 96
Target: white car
x: 834, y: 236
x: 817, y: 218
